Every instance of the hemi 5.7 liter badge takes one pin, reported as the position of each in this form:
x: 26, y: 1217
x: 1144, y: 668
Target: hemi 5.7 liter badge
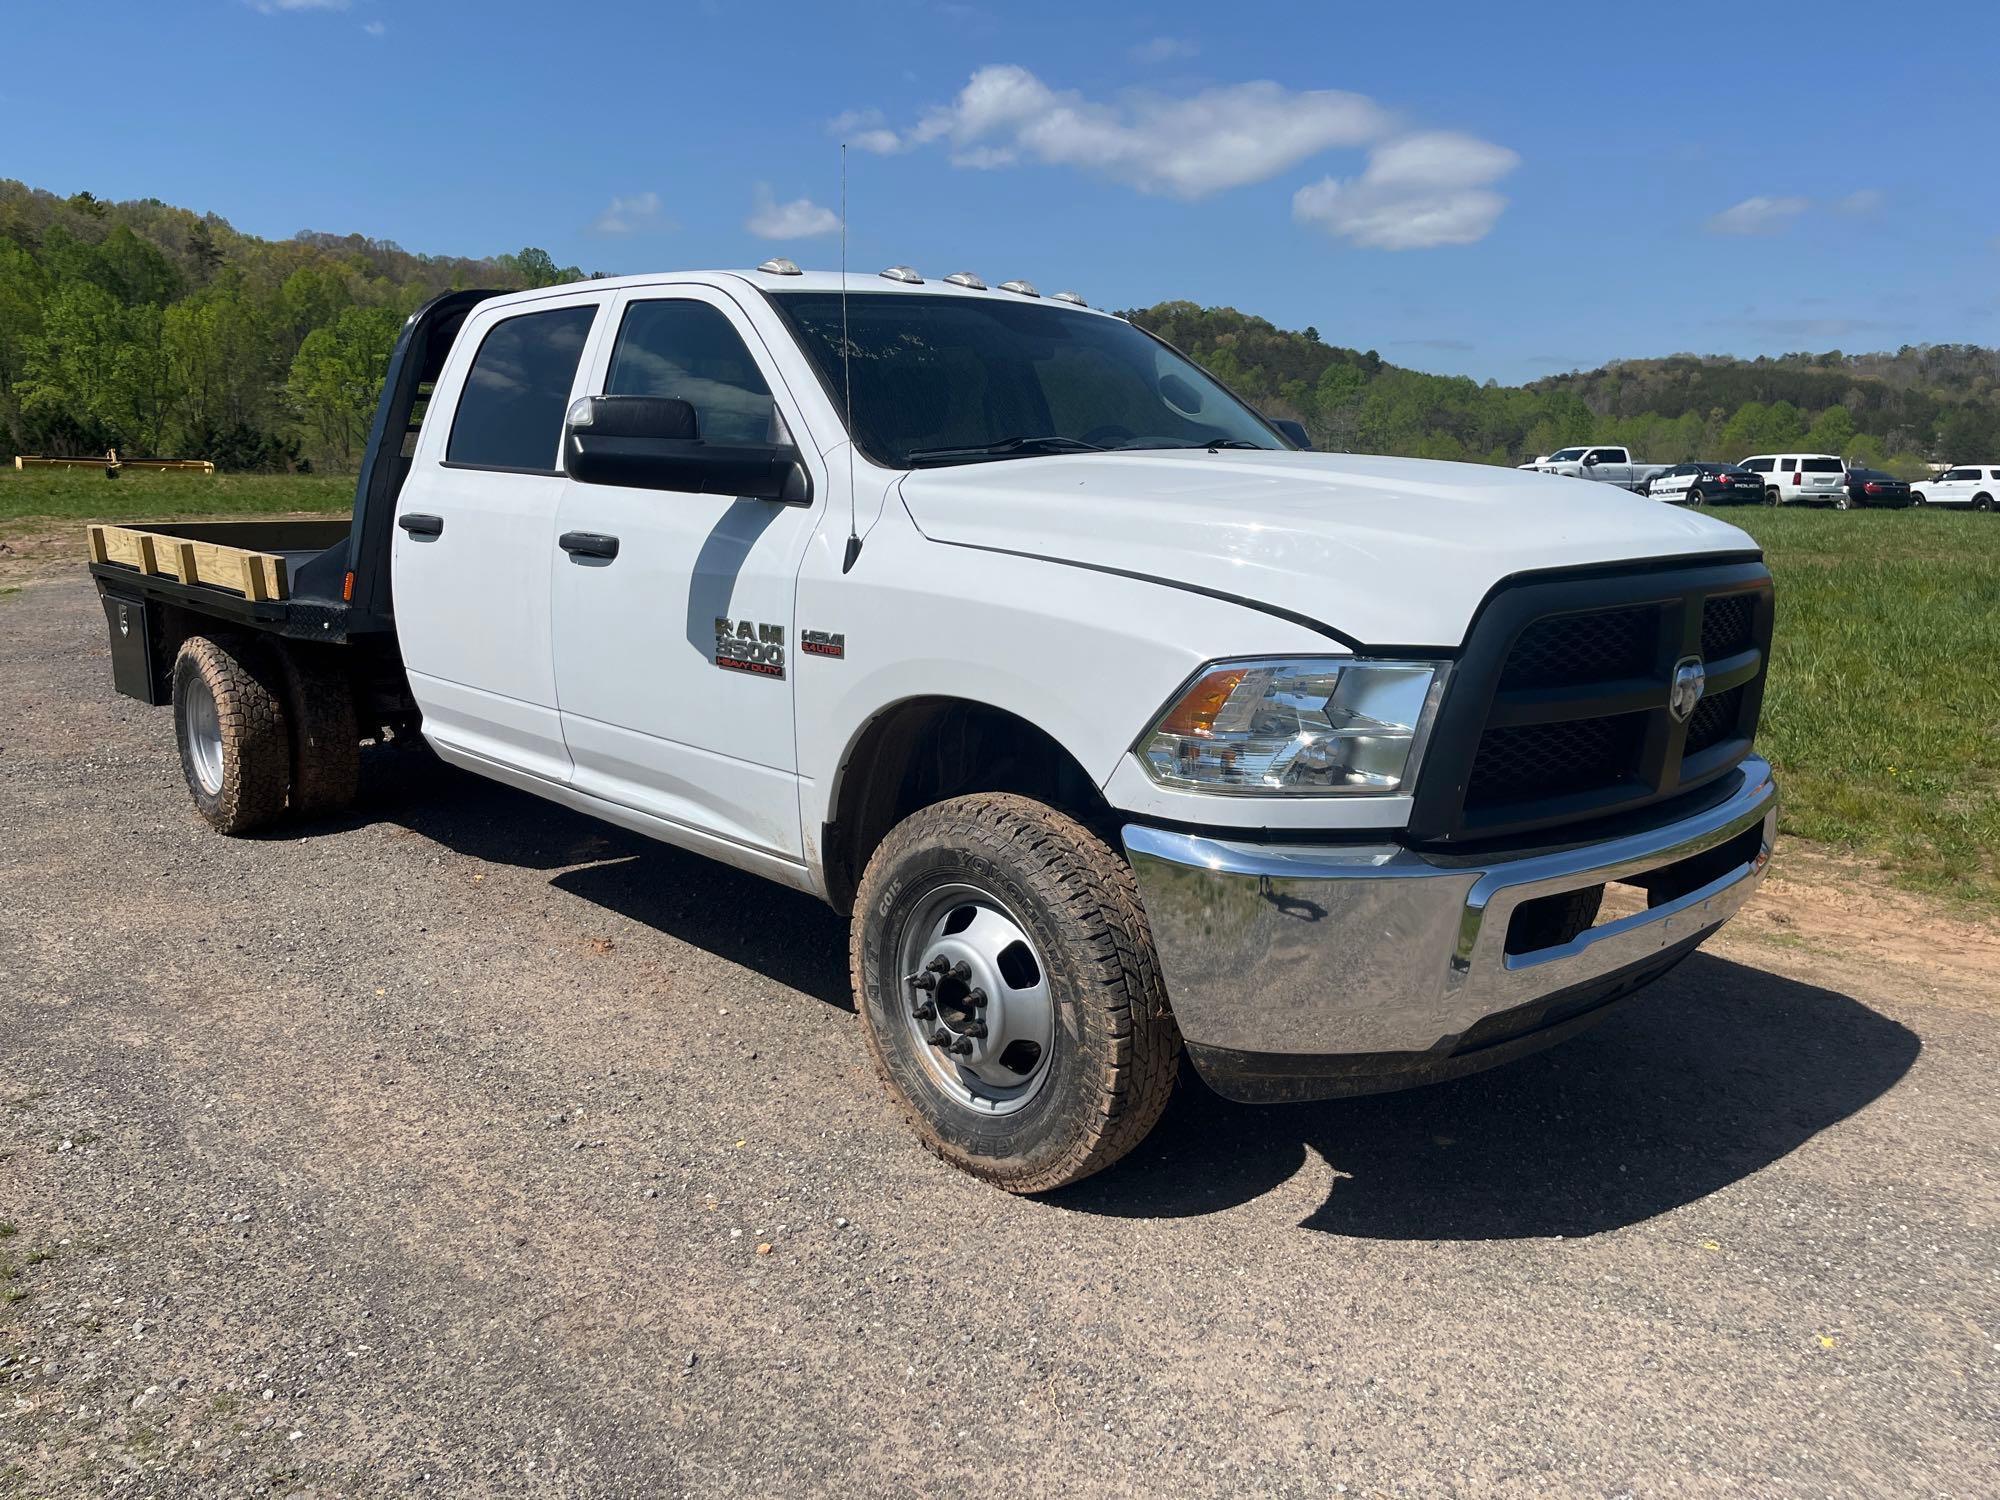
x: 823, y: 643
x: 745, y: 646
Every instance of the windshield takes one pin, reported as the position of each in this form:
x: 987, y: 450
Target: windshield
x: 942, y: 380
x: 1567, y: 455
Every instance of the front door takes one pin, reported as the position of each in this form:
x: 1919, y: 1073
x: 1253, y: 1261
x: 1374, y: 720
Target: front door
x: 475, y: 527
x: 674, y: 659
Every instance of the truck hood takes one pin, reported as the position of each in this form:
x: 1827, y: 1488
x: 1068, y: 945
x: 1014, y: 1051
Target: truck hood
x: 1384, y: 551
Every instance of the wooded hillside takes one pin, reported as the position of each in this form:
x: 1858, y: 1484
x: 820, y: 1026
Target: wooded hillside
x: 163, y: 332
x: 1899, y: 410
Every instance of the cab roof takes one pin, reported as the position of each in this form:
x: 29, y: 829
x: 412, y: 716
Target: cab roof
x: 858, y: 284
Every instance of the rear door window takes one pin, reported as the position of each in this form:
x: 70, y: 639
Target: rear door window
x: 1822, y: 466
x: 510, y: 413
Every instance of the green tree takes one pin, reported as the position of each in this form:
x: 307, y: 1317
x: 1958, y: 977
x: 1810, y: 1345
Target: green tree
x: 1832, y: 431
x: 337, y: 375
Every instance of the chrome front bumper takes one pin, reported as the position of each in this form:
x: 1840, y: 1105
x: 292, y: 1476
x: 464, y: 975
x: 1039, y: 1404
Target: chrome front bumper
x: 1290, y: 953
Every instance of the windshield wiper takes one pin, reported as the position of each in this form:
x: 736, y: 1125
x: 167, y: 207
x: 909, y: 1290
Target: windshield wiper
x: 1007, y: 448
x: 1213, y: 443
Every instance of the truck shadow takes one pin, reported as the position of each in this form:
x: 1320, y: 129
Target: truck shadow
x: 1716, y: 1072
x: 786, y: 936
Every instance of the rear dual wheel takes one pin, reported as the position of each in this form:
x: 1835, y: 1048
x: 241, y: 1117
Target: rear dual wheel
x: 1005, y: 975
x: 261, y: 730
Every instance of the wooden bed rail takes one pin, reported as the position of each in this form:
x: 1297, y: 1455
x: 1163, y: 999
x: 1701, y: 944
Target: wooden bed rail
x: 254, y: 575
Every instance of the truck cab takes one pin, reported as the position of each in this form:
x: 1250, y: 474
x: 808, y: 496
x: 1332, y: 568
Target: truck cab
x: 1113, y: 720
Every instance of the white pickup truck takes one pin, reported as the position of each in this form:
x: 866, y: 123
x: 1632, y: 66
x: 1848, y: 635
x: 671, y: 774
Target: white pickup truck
x: 1114, y: 720
x: 1607, y: 465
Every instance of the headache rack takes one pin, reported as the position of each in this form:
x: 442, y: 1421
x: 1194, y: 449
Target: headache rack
x: 1559, y: 711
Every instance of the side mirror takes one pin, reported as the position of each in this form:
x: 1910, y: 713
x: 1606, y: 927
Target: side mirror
x: 655, y: 443
x: 1294, y: 432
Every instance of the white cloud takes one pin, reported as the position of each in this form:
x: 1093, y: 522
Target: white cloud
x: 1418, y: 191
x: 630, y: 215
x: 1184, y: 147
x: 772, y: 220
x: 865, y: 130
x: 1164, y: 49
x: 271, y: 7
x: 1759, y: 215
x: 374, y: 28
x: 1862, y: 204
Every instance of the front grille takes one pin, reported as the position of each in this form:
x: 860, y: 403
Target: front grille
x: 1558, y: 709
x: 1542, y: 760
x: 1713, y: 720
x: 1567, y: 649
x: 1727, y: 621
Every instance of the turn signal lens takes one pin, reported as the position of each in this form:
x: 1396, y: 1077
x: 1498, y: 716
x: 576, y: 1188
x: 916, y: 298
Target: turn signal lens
x: 1196, y: 712
x: 1310, y: 725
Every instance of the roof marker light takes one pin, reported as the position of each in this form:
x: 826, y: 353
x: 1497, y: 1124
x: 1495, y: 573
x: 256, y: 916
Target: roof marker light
x: 903, y: 274
x: 1071, y: 298
x: 1023, y: 288
x: 777, y: 265
x: 966, y: 278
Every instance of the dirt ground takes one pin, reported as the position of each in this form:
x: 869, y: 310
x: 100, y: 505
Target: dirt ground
x: 436, y: 1151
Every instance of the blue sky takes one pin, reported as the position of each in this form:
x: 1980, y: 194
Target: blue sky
x: 1501, y: 190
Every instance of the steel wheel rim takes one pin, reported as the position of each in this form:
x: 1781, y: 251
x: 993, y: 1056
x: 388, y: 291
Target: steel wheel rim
x: 201, y: 735
x: 1001, y: 989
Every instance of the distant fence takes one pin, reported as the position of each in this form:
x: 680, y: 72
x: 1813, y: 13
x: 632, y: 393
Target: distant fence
x: 156, y: 465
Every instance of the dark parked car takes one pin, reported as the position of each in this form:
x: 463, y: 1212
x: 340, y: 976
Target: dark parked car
x: 1698, y: 484
x: 1873, y: 487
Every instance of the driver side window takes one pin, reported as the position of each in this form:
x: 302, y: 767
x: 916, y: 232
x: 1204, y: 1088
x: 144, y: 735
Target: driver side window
x: 690, y: 351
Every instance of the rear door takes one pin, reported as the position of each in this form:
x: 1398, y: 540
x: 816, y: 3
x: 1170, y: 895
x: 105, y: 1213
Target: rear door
x: 1821, y: 478
x: 674, y: 659
x: 475, y: 523
x: 1673, y: 485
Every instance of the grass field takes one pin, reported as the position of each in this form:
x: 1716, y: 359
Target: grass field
x: 1883, y: 713
x: 86, y: 495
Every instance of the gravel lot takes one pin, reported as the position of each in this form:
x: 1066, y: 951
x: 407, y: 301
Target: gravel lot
x: 438, y: 1152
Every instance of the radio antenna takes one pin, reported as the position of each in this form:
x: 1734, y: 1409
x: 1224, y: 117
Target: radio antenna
x: 847, y: 373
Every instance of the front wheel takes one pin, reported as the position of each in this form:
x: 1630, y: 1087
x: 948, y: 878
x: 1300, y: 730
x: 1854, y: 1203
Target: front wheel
x: 1917, y: 498
x: 1696, y: 498
x: 1005, y: 976
x: 1772, y: 497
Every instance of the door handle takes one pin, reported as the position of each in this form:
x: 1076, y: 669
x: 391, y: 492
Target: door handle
x: 588, y: 544
x: 422, y: 525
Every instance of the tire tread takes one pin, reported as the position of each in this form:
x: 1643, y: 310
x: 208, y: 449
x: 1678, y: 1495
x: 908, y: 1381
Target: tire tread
x: 1080, y: 876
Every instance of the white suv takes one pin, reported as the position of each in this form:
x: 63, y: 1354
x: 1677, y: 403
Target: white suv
x: 1790, y: 477
x: 1976, y: 485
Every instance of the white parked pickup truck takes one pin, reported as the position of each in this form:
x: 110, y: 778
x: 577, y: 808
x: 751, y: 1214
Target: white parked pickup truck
x: 1607, y: 465
x: 1114, y: 720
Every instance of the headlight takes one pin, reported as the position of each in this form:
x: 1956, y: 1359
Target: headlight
x: 1313, y: 725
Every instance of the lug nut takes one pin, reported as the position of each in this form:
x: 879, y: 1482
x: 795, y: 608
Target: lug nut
x: 974, y: 1028
x: 940, y: 1038
x: 939, y: 965
x: 925, y: 981
x: 961, y: 1047
x: 976, y: 999
x: 925, y: 1012
x: 961, y: 971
